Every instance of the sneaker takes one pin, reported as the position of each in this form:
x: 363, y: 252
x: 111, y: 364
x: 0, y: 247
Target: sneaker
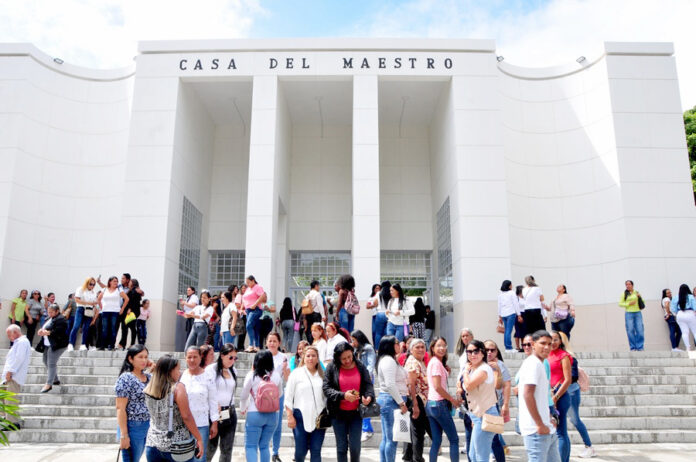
x: 677, y: 350
x: 83, y: 347
x: 366, y: 436
x: 588, y: 452
x: 510, y: 351
x: 70, y: 347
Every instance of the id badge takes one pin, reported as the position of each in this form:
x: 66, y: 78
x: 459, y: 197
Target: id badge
x: 225, y: 414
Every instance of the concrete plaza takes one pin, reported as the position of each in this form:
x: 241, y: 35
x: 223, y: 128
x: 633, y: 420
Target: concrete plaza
x: 103, y: 453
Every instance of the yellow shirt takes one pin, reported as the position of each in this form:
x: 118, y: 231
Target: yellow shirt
x: 19, y: 309
x: 625, y: 302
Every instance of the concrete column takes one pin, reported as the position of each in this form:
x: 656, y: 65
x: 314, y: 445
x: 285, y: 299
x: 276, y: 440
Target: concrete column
x: 366, y: 241
x: 262, y: 198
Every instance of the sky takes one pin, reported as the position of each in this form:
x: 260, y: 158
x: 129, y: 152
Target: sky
x: 530, y: 33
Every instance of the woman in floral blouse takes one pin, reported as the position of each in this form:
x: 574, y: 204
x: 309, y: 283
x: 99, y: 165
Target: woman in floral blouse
x: 131, y: 412
x: 418, y: 391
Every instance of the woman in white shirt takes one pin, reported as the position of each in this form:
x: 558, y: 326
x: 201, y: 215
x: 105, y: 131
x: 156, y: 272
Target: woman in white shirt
x: 393, y: 381
x: 533, y: 303
x: 379, y: 315
x: 86, y: 300
x: 259, y: 426
x: 319, y: 336
x: 224, y: 377
x: 201, y: 393
x: 110, y: 299
x: 304, y: 401
x: 508, y: 312
x: 398, y: 311
x: 333, y: 339
x: 281, y: 369
x: 201, y: 316
x: 229, y: 316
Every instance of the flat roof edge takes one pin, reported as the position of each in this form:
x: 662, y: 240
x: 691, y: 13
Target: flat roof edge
x: 317, y: 44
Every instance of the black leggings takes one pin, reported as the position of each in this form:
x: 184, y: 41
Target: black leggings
x: 533, y: 320
x: 124, y: 333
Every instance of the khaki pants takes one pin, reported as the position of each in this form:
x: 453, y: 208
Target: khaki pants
x: 13, y: 387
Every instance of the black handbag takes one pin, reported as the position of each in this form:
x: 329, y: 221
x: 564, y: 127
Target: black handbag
x: 641, y: 303
x: 40, y: 347
x: 371, y: 410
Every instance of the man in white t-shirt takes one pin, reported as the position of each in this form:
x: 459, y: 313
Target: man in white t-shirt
x: 539, y: 434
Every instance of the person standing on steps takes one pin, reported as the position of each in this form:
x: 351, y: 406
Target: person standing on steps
x: 55, y: 342
x: 86, y: 300
x: 132, y: 415
x: 675, y: 334
x: 14, y: 372
x: 533, y: 304
x: 188, y: 304
x: 631, y: 301
x: 508, y: 312
x: 683, y: 307
x: 224, y: 376
x: 253, y: 300
x: 429, y: 325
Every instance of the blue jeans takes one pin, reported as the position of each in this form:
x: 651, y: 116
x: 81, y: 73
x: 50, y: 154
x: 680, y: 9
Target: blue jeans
x: 279, y: 427
x: 562, y: 406
x: 137, y: 432
x: 509, y: 323
x: 440, y: 419
x: 397, y: 331
x: 387, y: 447
x: 153, y: 454
x: 347, y: 435
x: 379, y: 328
x: 574, y: 413
x: 227, y: 337
x: 205, y: 435
x: 564, y: 325
x: 634, y: 330
x: 109, y: 329
x: 216, y: 337
x: 542, y: 448
x: 258, y: 432
x: 345, y: 320
x: 675, y: 333
x: 468, y: 428
x: 305, y: 441
x: 141, y: 327
x: 81, y: 321
x: 253, y: 325
x: 481, y: 441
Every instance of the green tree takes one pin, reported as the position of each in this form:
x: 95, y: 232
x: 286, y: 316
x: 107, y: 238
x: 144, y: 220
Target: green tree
x: 690, y: 127
x: 7, y: 408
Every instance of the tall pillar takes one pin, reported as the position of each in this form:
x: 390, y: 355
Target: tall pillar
x: 262, y: 202
x: 366, y: 233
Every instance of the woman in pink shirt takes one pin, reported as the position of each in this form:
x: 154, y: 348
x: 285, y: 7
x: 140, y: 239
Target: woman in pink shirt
x: 440, y: 402
x: 253, y: 299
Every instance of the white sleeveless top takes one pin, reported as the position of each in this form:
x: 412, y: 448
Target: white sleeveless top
x: 111, y: 301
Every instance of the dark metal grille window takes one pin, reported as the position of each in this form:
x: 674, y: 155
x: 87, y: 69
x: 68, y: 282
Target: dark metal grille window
x: 411, y: 269
x: 325, y: 267
x: 190, y: 250
x: 225, y: 267
x: 444, y: 259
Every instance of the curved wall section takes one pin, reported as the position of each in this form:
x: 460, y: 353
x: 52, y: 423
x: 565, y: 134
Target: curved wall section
x: 63, y: 146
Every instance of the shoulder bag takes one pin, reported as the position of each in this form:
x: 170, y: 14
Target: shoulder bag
x: 641, y: 303
x: 181, y: 451
x: 493, y: 424
x: 323, y: 420
x: 306, y: 306
x: 371, y: 410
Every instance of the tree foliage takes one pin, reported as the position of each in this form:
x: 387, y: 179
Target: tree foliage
x: 690, y: 127
x: 7, y: 406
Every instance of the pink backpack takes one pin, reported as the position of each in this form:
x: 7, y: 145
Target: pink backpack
x: 267, y: 397
x: 352, y: 305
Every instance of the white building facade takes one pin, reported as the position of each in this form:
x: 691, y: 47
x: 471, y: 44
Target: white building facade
x: 427, y: 162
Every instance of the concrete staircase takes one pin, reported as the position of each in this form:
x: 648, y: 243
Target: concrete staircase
x: 646, y: 397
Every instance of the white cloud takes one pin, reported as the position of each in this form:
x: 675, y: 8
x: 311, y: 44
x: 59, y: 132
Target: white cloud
x: 104, y: 33
x: 555, y: 33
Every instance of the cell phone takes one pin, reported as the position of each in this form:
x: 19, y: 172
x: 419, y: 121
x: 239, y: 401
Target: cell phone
x: 197, y: 453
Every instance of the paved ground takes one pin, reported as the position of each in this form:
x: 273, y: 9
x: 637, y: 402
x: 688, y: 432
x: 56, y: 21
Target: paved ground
x: 107, y: 453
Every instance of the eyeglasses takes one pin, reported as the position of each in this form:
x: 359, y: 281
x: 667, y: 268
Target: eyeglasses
x: 473, y: 352
x: 491, y: 350
x: 525, y: 345
x: 232, y: 358
x: 90, y: 284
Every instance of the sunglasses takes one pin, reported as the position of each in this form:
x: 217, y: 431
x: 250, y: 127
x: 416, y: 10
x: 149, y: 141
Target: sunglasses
x: 491, y: 350
x: 473, y: 352
x: 232, y: 358
x: 525, y: 345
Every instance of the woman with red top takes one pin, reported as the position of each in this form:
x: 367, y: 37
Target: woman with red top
x: 561, y: 378
x: 347, y: 383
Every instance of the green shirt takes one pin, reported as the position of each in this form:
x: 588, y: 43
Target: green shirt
x: 19, y: 309
x: 625, y: 302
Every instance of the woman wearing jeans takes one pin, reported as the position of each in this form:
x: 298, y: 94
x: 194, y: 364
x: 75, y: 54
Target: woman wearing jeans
x: 561, y: 377
x: 393, y: 393
x: 253, y: 299
x: 259, y: 426
x: 347, y: 383
x: 634, y: 317
x: 201, y: 316
x: 287, y: 317
x: 131, y: 412
x: 508, y: 312
x: 675, y: 334
x: 86, y: 299
x: 562, y: 311
x: 366, y: 355
x: 304, y: 401
x: 224, y: 376
x: 440, y: 402
x: 399, y: 310
x: 574, y: 411
x: 229, y: 316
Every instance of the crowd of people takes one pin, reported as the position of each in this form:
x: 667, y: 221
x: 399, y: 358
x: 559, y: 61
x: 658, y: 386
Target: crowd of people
x: 328, y: 379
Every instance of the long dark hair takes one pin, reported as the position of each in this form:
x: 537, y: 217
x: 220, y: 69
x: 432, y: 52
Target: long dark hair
x: 684, y: 293
x: 627, y: 292
x: 386, y: 348
x: 346, y: 282
x: 361, y: 338
x: 372, y: 291
x: 263, y: 363
x: 402, y: 297
x: 130, y: 354
x: 478, y: 344
x: 432, y: 349
x: 384, y: 295
x: 287, y: 304
x: 506, y: 286
x: 339, y: 350
x: 226, y: 349
x: 664, y: 293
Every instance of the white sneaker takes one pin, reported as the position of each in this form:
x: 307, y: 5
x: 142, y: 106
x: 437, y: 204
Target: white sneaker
x: 588, y: 452
x: 70, y: 347
x: 83, y: 347
x: 677, y: 350
x: 510, y: 351
x: 366, y: 436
